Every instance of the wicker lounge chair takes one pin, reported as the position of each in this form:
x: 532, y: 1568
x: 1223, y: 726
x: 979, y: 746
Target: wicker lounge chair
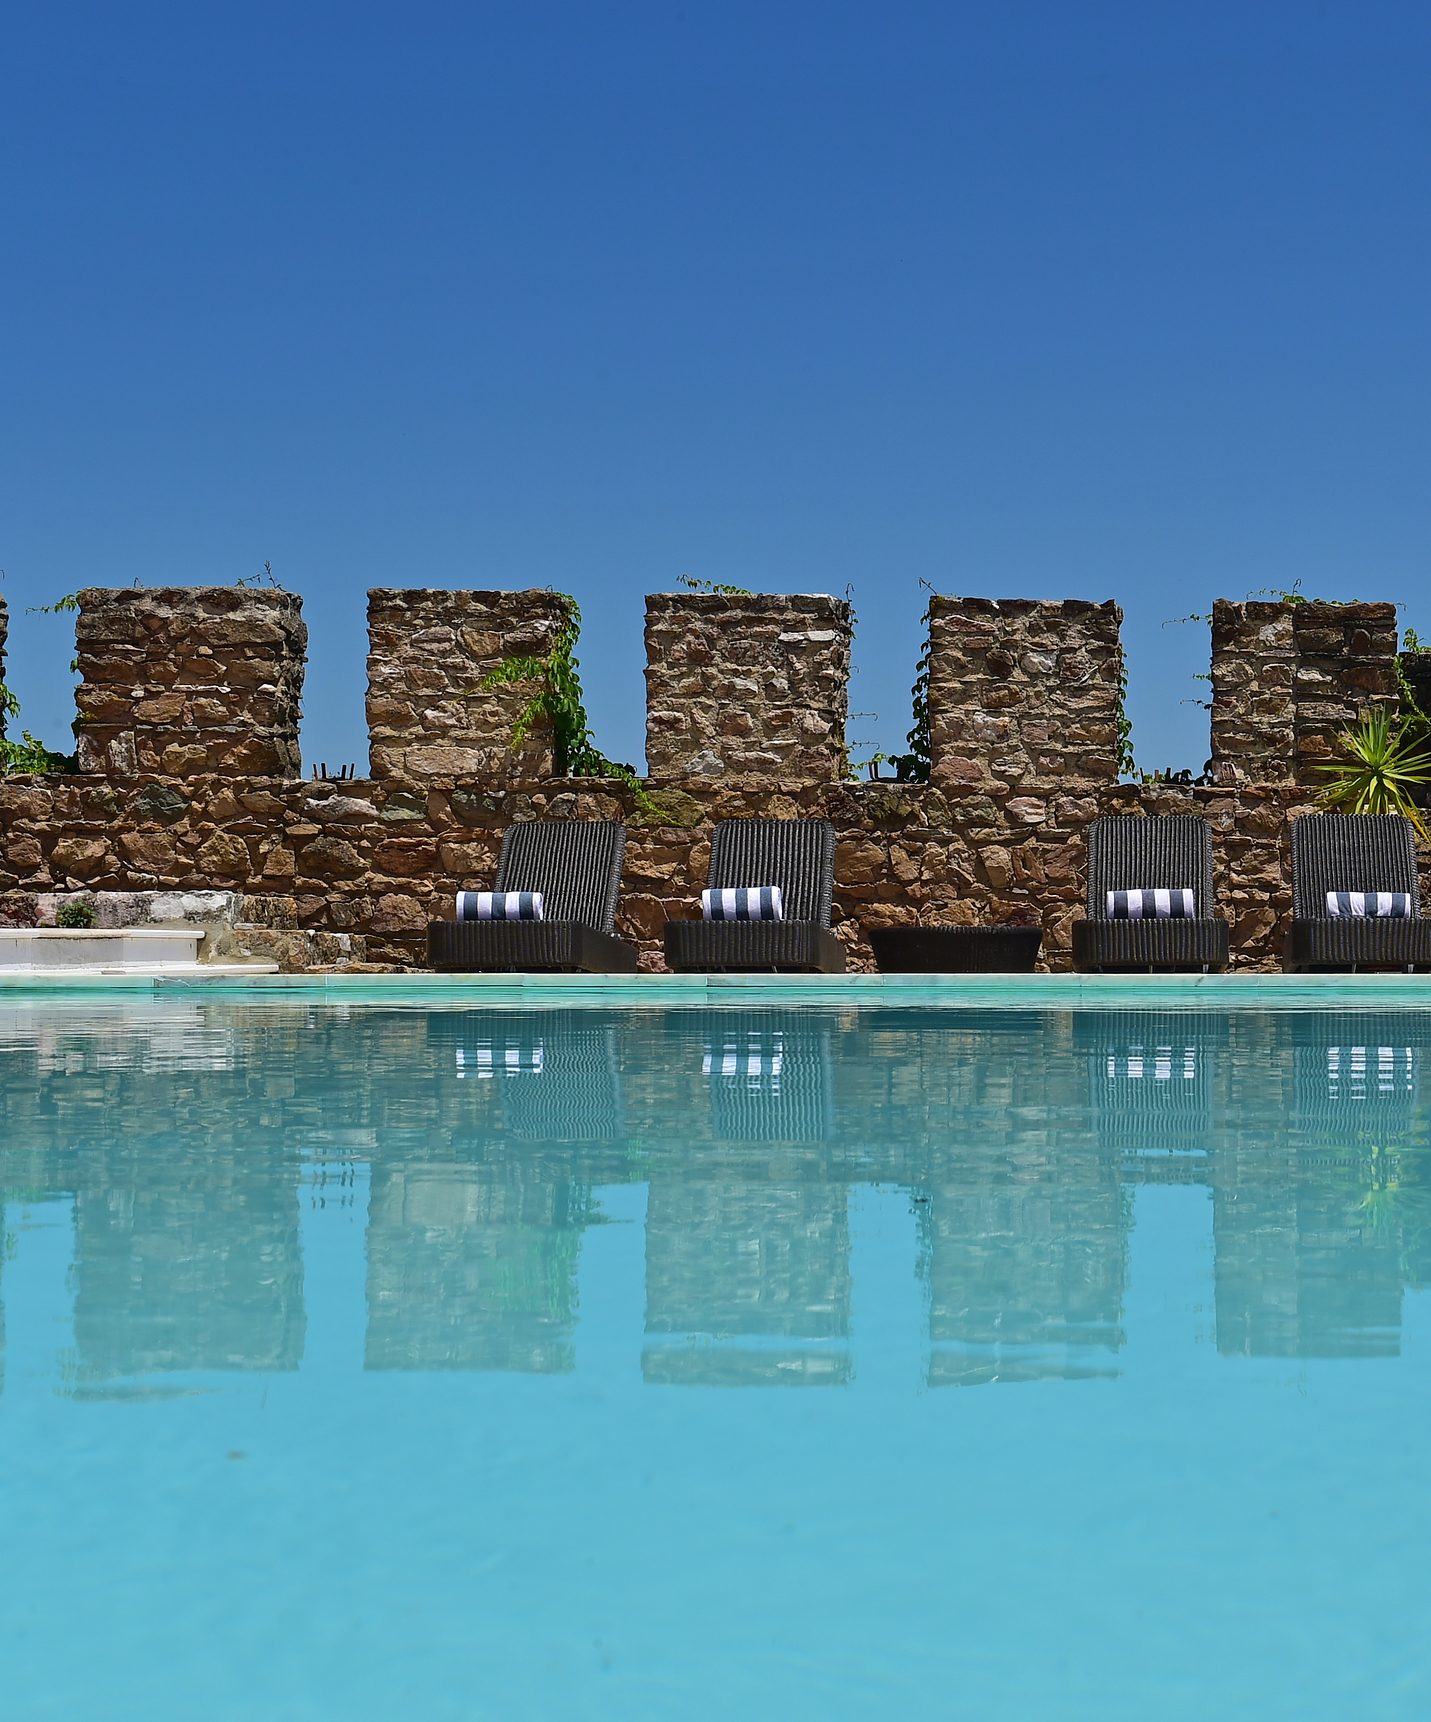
x: 798, y: 855
x: 1353, y: 852
x: 576, y: 865
x: 1131, y: 854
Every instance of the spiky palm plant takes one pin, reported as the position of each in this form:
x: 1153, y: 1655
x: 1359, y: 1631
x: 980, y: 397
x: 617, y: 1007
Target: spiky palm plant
x: 1383, y: 765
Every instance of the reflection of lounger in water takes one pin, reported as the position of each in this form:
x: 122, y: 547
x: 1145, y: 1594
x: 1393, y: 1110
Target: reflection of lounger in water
x: 485, y: 1060
x: 576, y: 1096
x: 1356, y: 1071
x: 559, y: 1073
x: 1150, y: 1077
x: 770, y: 1081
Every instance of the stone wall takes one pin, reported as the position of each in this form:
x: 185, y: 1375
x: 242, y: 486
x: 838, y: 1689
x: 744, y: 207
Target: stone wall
x: 428, y: 650
x: 1286, y: 678
x: 186, y: 692
x: 740, y: 684
x: 187, y: 680
x: 381, y: 859
x: 1023, y: 695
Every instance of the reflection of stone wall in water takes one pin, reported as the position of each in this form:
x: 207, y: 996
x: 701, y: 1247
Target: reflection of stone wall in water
x: 1300, y: 1273
x: 1024, y: 1285
x: 753, y: 1263
x: 189, y: 1266
x: 465, y: 1272
x: 479, y: 1194
x: 1315, y: 1224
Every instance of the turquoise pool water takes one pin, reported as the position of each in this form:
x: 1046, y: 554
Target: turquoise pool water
x: 881, y: 1361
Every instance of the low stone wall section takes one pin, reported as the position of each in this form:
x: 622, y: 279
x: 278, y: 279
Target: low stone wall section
x: 740, y: 685
x: 381, y: 859
x: 428, y: 652
x: 188, y: 680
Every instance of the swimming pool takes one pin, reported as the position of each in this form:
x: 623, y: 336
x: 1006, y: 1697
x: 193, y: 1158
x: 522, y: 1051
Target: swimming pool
x: 821, y: 1360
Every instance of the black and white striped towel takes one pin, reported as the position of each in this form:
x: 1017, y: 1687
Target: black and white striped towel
x: 1369, y: 905
x: 501, y: 906
x: 749, y: 903
x: 1176, y: 905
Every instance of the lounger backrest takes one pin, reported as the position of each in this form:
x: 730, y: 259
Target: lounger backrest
x: 574, y: 863
x: 798, y: 855
x: 1350, y: 852
x: 1135, y: 854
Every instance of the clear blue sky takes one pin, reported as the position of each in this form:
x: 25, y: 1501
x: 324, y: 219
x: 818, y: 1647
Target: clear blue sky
x: 1024, y: 300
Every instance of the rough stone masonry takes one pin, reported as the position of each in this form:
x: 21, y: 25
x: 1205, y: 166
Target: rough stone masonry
x: 1023, y: 695
x: 1287, y: 679
x: 998, y: 835
x: 187, y: 680
x: 428, y: 652
x: 740, y: 684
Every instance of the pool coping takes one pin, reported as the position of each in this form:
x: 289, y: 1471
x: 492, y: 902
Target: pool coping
x: 560, y: 991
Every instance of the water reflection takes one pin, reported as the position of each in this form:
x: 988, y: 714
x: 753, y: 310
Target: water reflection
x: 470, y: 1272
x: 197, y: 1267
x: 180, y: 1133
x: 1024, y: 1284
x: 747, y: 1283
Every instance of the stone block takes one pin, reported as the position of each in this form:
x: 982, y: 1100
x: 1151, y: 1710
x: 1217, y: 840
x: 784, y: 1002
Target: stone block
x: 428, y: 653
x: 167, y: 675
x: 1022, y: 691
x: 1288, y: 678
x: 773, y: 690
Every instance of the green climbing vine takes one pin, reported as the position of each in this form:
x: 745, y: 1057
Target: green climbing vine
x: 1127, y: 764
x: 28, y: 754
x: 714, y: 586
x: 912, y: 767
x: 559, y: 700
x: 1410, y: 705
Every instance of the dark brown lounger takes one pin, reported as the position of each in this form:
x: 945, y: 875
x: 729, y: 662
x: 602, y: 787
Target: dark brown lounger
x: 1353, y: 852
x: 1134, y: 854
x: 576, y: 865
x: 798, y: 855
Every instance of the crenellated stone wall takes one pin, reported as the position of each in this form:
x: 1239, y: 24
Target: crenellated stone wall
x: 1023, y: 695
x: 1286, y: 678
x: 739, y: 684
x: 188, y: 691
x: 187, y: 680
x: 428, y: 651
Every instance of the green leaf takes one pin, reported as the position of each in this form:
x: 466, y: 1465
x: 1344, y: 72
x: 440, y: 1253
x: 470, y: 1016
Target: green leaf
x: 1383, y: 765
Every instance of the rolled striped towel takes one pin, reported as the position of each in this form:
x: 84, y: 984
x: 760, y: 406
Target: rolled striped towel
x: 1369, y: 905
x: 749, y: 903
x: 501, y: 906
x: 1175, y: 905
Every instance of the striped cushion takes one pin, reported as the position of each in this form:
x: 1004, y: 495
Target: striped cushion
x: 750, y: 903
x: 1370, y: 905
x: 501, y: 906
x: 1176, y: 905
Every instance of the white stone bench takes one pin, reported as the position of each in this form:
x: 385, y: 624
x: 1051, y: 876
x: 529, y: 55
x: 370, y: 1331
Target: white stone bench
x: 126, y: 950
